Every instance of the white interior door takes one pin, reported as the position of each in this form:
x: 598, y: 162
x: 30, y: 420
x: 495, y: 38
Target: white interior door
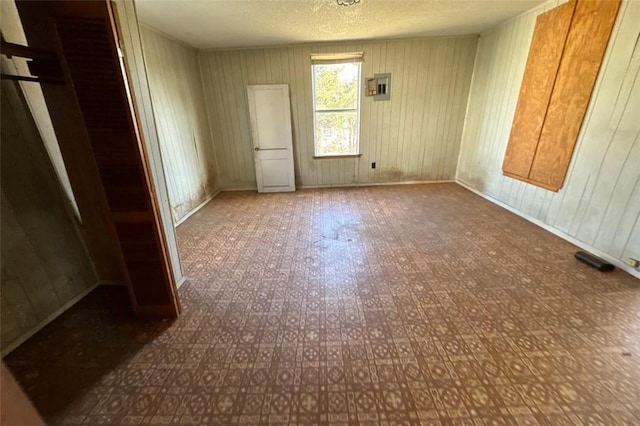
x: 270, y: 114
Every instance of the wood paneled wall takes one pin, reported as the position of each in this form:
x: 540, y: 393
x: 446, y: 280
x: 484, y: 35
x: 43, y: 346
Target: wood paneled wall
x: 45, y: 265
x: 413, y: 137
x: 181, y: 118
x: 599, y: 204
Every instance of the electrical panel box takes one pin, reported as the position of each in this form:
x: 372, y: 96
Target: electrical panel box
x: 379, y: 87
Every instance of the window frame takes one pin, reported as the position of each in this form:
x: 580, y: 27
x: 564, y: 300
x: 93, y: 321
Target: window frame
x: 356, y: 151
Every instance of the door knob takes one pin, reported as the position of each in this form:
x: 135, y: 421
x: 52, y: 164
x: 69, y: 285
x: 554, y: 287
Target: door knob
x: 256, y: 149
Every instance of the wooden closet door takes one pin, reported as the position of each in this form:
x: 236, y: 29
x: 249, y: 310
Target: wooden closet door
x: 586, y: 44
x: 545, y: 53
x: 95, y: 96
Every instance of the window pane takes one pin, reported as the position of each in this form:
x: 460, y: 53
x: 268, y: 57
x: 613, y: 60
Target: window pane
x: 336, y: 133
x: 336, y: 86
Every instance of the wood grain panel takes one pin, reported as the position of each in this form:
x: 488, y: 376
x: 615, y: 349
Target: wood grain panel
x: 546, y: 49
x: 83, y: 35
x: 586, y: 44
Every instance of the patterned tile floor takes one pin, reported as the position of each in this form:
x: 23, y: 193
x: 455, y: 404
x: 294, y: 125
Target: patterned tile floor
x: 389, y: 305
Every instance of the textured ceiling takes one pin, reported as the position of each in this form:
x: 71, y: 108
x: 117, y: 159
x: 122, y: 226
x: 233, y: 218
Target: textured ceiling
x: 208, y: 24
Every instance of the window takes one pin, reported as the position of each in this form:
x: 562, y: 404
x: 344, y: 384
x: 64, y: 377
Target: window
x: 336, y: 103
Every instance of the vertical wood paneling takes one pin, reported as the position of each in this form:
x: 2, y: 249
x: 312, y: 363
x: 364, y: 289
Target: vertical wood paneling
x: 181, y: 119
x: 414, y: 136
x: 44, y: 262
x: 600, y: 201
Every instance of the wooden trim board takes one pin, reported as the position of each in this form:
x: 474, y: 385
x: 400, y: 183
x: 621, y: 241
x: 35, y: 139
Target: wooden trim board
x: 527, y: 180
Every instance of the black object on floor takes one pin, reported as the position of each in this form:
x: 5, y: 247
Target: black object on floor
x: 593, y: 261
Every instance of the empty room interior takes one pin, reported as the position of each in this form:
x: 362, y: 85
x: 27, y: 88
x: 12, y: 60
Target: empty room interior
x: 320, y: 212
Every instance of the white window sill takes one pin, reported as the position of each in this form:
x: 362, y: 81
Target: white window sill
x: 323, y: 157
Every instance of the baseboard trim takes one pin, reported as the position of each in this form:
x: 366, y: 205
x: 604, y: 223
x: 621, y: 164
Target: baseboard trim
x: 352, y: 185
x: 617, y: 262
x: 196, y: 208
x: 181, y: 281
x: 42, y: 324
x: 253, y: 188
x: 357, y: 185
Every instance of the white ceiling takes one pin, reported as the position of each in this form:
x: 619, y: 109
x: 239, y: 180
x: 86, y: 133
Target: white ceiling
x: 210, y: 24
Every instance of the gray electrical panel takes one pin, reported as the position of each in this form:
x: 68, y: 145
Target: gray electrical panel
x: 379, y: 87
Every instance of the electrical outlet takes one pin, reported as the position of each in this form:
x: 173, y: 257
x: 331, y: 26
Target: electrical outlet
x: 373, y: 165
x: 635, y: 263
